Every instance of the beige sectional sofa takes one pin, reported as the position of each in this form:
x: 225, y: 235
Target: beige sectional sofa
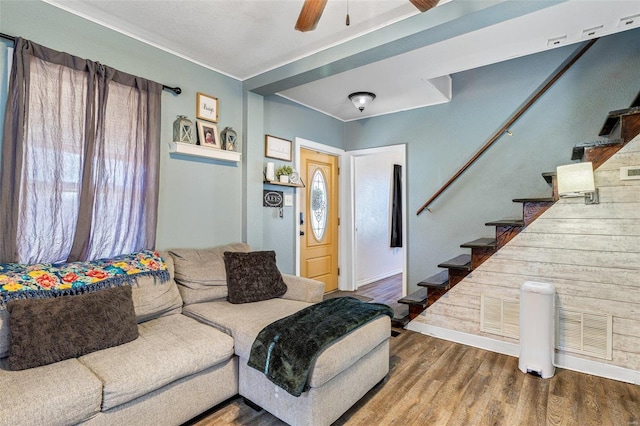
x: 191, y: 355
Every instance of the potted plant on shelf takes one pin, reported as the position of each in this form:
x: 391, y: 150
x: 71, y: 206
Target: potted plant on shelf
x: 283, y: 173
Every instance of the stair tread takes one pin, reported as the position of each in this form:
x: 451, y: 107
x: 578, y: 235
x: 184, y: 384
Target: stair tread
x: 400, y: 322
x: 439, y: 280
x: 462, y: 261
x: 548, y: 176
x: 614, y: 116
x: 534, y: 200
x: 418, y: 297
x: 578, y: 150
x: 506, y: 222
x: 480, y: 242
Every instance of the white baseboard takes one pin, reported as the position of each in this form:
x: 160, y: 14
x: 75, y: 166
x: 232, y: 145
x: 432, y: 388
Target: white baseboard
x: 562, y: 360
x: 481, y: 342
x: 587, y: 366
x: 370, y: 280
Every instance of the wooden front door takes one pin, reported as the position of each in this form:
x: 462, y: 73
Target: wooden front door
x: 319, y: 206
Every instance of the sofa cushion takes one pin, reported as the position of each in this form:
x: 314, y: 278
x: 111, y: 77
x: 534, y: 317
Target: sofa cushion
x: 44, y: 331
x: 63, y: 393
x: 168, y: 348
x: 152, y: 298
x: 252, y: 277
x: 200, y: 273
x: 245, y: 321
x: 349, y: 349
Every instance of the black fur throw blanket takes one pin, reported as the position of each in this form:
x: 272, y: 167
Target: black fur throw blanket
x: 286, y: 349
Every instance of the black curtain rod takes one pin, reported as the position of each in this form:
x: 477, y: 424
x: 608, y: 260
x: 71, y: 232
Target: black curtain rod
x: 174, y: 90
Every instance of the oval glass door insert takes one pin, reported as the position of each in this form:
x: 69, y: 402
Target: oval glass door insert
x: 318, y: 204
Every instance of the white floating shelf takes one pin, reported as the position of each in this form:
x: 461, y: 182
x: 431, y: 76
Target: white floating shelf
x: 204, y: 152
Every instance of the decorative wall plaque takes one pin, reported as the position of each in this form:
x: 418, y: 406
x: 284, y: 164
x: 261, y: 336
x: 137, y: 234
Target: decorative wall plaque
x: 272, y: 198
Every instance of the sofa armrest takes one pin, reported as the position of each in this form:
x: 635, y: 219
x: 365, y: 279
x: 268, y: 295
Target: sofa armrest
x: 303, y: 289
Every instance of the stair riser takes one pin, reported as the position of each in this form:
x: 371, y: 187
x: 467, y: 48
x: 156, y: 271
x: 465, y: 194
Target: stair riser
x: 630, y: 127
x: 504, y: 234
x: 599, y: 154
x: 435, y: 295
x: 554, y: 188
x: 415, y: 310
x: 627, y: 128
x: 531, y: 210
x: 480, y: 254
x: 456, y: 275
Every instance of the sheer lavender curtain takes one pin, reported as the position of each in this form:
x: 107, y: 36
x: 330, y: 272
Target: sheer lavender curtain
x: 80, y: 159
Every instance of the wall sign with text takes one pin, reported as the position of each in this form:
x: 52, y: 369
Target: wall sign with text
x: 272, y: 198
x: 277, y: 148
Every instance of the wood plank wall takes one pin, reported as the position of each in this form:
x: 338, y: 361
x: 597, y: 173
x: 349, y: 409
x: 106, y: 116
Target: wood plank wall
x: 591, y: 253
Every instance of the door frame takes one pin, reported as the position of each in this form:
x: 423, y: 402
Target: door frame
x: 402, y: 149
x: 346, y: 188
x: 343, y: 199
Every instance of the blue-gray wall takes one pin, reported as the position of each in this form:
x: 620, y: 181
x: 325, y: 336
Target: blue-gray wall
x: 205, y: 202
x: 288, y: 120
x: 440, y: 139
x: 200, y: 200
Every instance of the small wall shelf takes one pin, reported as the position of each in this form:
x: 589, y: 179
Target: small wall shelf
x: 292, y: 185
x: 204, y: 152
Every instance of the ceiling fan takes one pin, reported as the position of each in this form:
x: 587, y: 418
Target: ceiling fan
x: 312, y: 11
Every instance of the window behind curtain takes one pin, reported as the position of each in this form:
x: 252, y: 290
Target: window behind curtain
x: 51, y: 163
x: 86, y: 165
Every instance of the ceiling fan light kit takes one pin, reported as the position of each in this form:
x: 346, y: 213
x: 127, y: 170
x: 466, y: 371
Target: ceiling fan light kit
x: 362, y: 99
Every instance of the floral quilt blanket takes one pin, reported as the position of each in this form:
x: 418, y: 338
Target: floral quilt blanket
x: 42, y: 280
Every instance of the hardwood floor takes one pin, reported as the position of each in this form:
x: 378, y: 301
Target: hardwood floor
x: 387, y: 291
x: 435, y: 382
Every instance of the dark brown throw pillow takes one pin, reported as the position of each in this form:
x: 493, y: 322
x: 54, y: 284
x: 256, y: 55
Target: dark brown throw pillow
x: 253, y: 276
x: 44, y: 331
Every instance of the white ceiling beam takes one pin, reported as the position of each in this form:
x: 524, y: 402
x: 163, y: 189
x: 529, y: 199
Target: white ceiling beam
x: 449, y: 20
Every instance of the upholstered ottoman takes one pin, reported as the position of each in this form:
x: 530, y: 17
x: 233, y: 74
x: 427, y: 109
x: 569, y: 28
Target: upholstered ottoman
x: 342, y: 374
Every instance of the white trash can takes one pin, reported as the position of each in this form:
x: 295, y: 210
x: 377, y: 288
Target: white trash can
x: 537, y: 319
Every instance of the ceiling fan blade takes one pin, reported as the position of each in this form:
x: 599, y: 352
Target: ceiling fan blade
x: 424, y: 5
x: 310, y: 15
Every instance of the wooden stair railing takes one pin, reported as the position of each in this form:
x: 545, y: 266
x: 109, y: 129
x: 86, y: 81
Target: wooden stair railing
x: 532, y: 99
x: 625, y: 127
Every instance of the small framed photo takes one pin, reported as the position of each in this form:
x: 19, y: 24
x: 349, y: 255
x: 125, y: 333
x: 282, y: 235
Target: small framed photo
x: 208, y: 135
x: 206, y: 107
x: 275, y: 147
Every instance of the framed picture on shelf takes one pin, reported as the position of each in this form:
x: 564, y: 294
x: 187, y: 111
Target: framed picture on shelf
x: 275, y: 147
x: 208, y: 135
x: 206, y: 107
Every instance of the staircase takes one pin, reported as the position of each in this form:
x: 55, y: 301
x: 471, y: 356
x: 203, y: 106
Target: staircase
x: 619, y: 128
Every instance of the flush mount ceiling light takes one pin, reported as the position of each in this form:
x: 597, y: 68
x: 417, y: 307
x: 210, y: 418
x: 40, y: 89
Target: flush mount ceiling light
x: 362, y: 99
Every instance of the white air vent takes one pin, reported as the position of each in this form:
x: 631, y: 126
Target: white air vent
x: 584, y: 333
x: 557, y: 41
x: 500, y: 316
x: 630, y: 173
x: 629, y: 21
x: 592, y: 32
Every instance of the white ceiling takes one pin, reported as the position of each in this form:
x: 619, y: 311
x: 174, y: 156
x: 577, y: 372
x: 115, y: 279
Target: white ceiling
x: 246, y: 38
